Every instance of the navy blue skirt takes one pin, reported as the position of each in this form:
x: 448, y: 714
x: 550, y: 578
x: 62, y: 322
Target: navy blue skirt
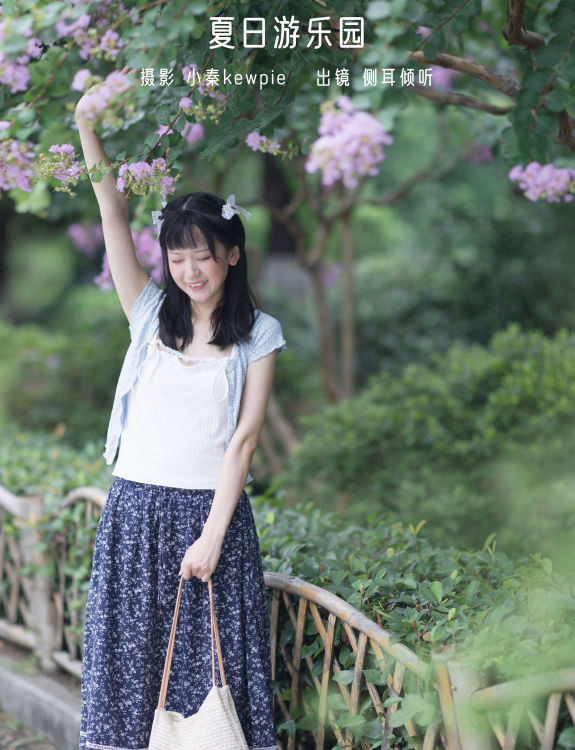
x: 142, y: 536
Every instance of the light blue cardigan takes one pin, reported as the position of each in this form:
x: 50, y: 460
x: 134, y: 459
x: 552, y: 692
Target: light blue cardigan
x: 266, y: 335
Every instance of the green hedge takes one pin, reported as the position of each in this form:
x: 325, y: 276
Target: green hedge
x: 480, y: 441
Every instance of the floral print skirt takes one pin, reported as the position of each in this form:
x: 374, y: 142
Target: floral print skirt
x: 142, y: 536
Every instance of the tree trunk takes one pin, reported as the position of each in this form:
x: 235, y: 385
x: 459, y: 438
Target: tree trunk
x: 277, y: 192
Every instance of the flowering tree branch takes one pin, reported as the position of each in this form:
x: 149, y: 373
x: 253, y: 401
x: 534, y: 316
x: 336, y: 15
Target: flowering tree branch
x: 507, y: 85
x: 461, y: 100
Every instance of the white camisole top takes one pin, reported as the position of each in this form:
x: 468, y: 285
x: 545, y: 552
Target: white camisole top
x: 176, y: 423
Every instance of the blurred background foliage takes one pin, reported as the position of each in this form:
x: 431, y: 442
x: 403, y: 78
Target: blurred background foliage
x: 464, y: 409
x: 453, y: 422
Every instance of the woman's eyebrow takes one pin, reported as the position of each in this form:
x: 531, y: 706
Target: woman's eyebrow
x: 203, y: 249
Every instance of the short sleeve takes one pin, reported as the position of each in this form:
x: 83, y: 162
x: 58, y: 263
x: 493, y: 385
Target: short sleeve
x: 144, y: 306
x: 267, y: 336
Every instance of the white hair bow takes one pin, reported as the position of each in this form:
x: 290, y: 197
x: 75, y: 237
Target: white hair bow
x: 156, y: 220
x: 230, y: 208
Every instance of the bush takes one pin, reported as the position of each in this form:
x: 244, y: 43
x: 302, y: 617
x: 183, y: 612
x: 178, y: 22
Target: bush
x: 479, y: 441
x: 64, y: 379
x: 39, y: 464
x: 506, y: 618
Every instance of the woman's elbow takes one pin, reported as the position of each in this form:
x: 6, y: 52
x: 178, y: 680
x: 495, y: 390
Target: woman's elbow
x: 246, y: 444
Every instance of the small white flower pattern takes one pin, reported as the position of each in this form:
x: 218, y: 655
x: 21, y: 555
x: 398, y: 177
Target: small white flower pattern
x: 142, y: 535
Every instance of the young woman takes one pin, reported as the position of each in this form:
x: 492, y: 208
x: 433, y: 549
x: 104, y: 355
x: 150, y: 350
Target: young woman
x: 188, y: 410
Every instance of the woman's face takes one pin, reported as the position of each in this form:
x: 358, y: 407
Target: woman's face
x: 201, y: 276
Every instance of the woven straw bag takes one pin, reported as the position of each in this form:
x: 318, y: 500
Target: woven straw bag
x: 216, y: 725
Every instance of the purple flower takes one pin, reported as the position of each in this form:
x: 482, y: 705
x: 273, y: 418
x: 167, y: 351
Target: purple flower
x: 80, y: 79
x: 164, y: 130
x: 86, y: 239
x: 64, y: 148
x: 148, y: 252
x: 255, y: 140
x: 350, y: 144
x: 442, y: 77
x: 547, y: 182
x: 193, y: 132
x: 16, y: 165
x: 111, y: 43
x: 14, y: 75
x: 140, y: 177
x: 259, y: 142
x: 108, y: 94
x: 185, y: 102
x: 188, y: 72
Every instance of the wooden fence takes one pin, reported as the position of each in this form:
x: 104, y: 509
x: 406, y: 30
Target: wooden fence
x: 309, y: 629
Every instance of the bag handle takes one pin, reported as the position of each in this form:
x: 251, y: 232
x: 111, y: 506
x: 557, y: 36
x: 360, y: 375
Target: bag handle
x: 213, y: 632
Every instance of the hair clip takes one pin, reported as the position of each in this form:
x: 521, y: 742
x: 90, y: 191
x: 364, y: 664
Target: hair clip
x: 157, y: 220
x: 229, y: 209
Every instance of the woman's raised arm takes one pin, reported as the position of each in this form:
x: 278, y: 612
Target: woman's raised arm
x: 129, y: 277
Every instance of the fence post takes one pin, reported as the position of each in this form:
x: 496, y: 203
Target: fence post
x: 460, y: 681
x: 37, y: 587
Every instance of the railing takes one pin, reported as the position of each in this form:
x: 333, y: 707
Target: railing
x: 363, y: 636
x: 514, y: 698
x: 319, y: 702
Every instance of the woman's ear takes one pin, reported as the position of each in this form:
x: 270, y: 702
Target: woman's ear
x: 234, y: 256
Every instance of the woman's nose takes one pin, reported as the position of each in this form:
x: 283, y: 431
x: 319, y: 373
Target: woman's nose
x: 191, y: 270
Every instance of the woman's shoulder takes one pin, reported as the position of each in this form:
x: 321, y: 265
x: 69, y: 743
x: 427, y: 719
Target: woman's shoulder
x: 266, y: 335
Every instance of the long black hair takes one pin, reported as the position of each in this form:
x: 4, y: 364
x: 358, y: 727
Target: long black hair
x: 186, y: 221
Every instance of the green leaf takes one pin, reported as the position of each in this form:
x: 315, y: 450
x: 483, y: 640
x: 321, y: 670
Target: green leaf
x: 345, y: 677
x: 567, y: 738
x: 351, y: 721
x: 557, y: 100
x: 378, y: 10
x: 399, y: 718
x: 536, y: 80
x: 547, y: 124
x: 430, y: 49
x: 375, y: 676
x: 307, y: 723
x: 437, y: 590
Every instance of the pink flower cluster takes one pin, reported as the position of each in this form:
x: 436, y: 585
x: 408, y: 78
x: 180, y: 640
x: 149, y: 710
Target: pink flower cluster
x: 201, y: 108
x: 16, y: 164
x: 78, y: 31
x: 14, y: 73
x: 63, y: 166
x: 86, y: 239
x: 192, y: 132
x: 80, y: 80
x: 545, y: 182
x: 259, y: 142
x: 139, y: 177
x: 88, y: 32
x: 103, y: 102
x: 350, y: 144
x: 148, y: 252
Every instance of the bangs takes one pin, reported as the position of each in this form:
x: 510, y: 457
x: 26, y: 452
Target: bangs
x: 179, y: 233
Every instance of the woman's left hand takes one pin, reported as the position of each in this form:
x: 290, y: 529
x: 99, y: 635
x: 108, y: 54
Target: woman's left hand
x: 201, y: 559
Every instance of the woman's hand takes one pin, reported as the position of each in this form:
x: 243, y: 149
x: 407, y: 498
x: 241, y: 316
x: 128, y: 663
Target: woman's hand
x: 79, y: 113
x: 201, y: 558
